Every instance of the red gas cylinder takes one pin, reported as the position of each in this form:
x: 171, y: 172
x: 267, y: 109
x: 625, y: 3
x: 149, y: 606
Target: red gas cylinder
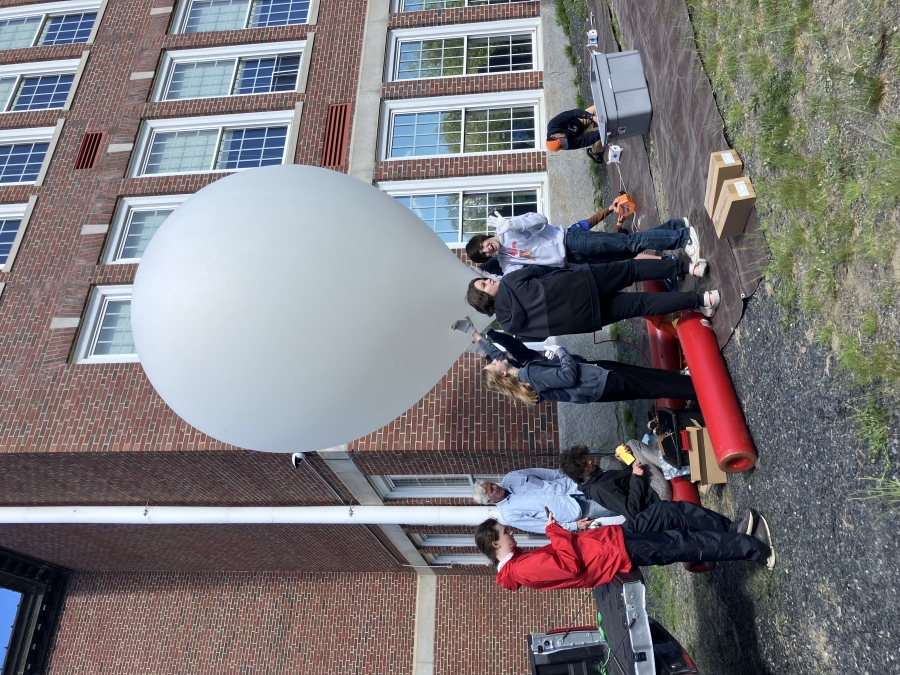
x: 722, y: 412
x: 684, y: 490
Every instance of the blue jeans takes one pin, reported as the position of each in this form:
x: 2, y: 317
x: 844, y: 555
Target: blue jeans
x: 585, y: 246
x: 591, y: 509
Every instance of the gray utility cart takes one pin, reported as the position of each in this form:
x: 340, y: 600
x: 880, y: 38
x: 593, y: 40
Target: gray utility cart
x: 620, y: 94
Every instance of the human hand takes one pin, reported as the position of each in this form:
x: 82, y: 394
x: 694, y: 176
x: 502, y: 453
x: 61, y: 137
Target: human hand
x: 499, y: 223
x: 583, y: 523
x: 464, y: 326
x: 596, y: 121
x: 550, y: 350
x: 550, y: 519
x: 637, y: 468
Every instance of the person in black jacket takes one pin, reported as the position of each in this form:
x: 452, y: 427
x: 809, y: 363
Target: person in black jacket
x: 625, y: 491
x: 574, y: 129
x: 537, y: 301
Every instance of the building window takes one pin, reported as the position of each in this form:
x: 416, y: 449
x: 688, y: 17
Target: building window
x: 58, y: 23
x: 136, y: 221
x: 22, y: 153
x: 211, y: 15
x: 208, y: 144
x: 426, y: 486
x: 468, y: 541
x: 231, y: 71
x: 457, y: 208
x: 9, y: 228
x: 106, y: 330
x: 464, y: 55
x: 422, y: 5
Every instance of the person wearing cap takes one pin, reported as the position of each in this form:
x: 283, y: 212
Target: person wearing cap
x: 574, y: 129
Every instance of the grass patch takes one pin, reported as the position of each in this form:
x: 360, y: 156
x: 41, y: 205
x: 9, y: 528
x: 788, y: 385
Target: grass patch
x: 663, y: 597
x: 562, y: 17
x: 872, y: 426
x: 886, y: 490
x: 629, y: 421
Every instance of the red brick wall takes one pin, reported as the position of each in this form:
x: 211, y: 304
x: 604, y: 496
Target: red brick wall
x: 472, y: 84
x: 439, y: 17
x: 236, y: 623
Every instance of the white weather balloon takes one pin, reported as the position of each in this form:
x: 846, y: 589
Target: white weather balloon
x: 292, y: 308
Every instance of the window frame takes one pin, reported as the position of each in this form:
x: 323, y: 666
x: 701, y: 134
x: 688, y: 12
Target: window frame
x: 221, y: 122
x: 448, y: 540
x: 23, y: 212
x: 182, y: 12
x: 237, y: 52
x: 50, y: 10
x: 397, y: 6
x: 485, y: 29
x: 30, y: 135
x: 386, y: 488
x: 90, y: 324
x: 37, y: 69
x: 124, y: 209
x: 489, y: 183
x: 474, y: 102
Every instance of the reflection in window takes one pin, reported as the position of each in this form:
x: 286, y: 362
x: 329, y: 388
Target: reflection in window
x: 420, y: 5
x: 9, y: 228
x: 486, y: 130
x: 464, y: 56
x: 21, y: 162
x: 141, y: 227
x: 214, y: 15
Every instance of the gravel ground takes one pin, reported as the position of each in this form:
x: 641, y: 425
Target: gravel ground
x: 832, y: 604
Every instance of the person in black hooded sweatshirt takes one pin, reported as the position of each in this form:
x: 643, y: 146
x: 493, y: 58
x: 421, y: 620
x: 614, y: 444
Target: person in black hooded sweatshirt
x: 626, y: 491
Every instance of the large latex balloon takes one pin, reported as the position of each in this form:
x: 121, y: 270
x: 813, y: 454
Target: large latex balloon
x: 292, y: 308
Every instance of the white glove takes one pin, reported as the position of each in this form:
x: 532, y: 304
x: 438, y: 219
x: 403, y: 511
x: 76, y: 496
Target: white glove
x: 550, y: 350
x: 499, y: 223
x: 464, y: 326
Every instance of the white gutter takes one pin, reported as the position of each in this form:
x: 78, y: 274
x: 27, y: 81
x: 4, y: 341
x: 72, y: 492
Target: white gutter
x: 216, y: 515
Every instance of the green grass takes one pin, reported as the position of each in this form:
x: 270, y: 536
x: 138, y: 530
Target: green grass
x: 663, y: 598
x: 872, y: 426
x: 885, y: 490
x: 562, y: 17
x: 629, y: 421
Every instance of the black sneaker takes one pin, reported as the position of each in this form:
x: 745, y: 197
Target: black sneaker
x: 594, y: 156
x: 746, y: 525
x: 763, y: 534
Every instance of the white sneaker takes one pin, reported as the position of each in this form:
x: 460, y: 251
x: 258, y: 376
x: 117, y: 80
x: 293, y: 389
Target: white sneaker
x: 692, y: 248
x: 698, y: 269
x: 711, y: 300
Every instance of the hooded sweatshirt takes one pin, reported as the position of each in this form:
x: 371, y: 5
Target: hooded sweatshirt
x: 621, y: 491
x: 572, y: 560
x: 532, y: 241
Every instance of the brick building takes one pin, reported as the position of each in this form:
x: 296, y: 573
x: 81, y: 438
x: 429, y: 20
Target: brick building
x: 114, y: 111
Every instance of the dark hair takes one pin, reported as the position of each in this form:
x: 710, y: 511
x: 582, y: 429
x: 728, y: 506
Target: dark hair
x: 473, y: 248
x: 485, y: 536
x: 480, y: 300
x: 570, y: 462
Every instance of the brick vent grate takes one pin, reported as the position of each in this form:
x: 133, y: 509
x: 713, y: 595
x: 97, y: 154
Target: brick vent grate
x: 90, y: 147
x: 336, y: 129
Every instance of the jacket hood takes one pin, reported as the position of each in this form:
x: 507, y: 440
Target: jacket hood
x: 508, y: 310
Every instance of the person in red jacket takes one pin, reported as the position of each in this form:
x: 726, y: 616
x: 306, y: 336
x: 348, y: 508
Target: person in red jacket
x: 665, y: 533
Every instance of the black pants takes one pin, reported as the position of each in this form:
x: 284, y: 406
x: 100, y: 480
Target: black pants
x: 670, y: 532
x: 626, y: 383
x: 613, y: 277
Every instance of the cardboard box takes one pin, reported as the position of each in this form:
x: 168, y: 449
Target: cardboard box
x: 734, y: 206
x: 704, y: 468
x: 723, y: 166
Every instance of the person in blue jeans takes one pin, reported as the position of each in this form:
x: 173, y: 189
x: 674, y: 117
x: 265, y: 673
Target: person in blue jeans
x: 529, y: 239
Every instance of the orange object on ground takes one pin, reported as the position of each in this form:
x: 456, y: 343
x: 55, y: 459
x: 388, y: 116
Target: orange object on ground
x: 731, y: 440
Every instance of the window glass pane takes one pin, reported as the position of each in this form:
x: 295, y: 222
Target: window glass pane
x: 456, y: 481
x: 248, y: 148
x: 42, y: 92
x: 142, y: 225
x: 478, y: 3
x: 440, y: 212
x: 68, y: 29
x: 207, y: 15
x: 8, y: 230
x: 499, y: 54
x: 201, y: 78
x: 18, y: 33
x: 182, y: 151
x: 286, y: 71
x: 426, y: 133
x: 430, y: 58
x: 21, y: 163
x: 6, y: 88
x: 499, y: 129
x: 278, y: 12
x: 477, y: 206
x: 255, y: 76
x: 420, y: 5
x: 114, y: 331
x: 9, y: 608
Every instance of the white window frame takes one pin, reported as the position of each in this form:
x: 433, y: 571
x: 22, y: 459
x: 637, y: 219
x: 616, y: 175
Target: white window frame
x: 236, y: 52
x: 30, y: 135
x: 124, y: 209
x: 451, y: 559
x: 91, y: 323
x: 386, y: 489
x: 533, y: 97
x: 23, y: 70
x: 23, y: 213
x: 221, y: 122
x: 397, y: 5
x: 182, y: 12
x: 515, y: 181
x: 444, y: 540
x: 52, y: 9
x: 509, y: 27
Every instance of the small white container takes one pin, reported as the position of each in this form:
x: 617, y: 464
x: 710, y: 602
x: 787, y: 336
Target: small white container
x: 592, y: 38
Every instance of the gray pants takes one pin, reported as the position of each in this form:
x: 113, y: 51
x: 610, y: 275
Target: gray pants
x: 649, y: 457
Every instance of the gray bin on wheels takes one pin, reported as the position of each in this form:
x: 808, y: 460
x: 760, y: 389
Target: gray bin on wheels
x: 620, y: 94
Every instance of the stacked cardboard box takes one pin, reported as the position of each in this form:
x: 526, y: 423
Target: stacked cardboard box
x: 704, y: 468
x: 729, y: 196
